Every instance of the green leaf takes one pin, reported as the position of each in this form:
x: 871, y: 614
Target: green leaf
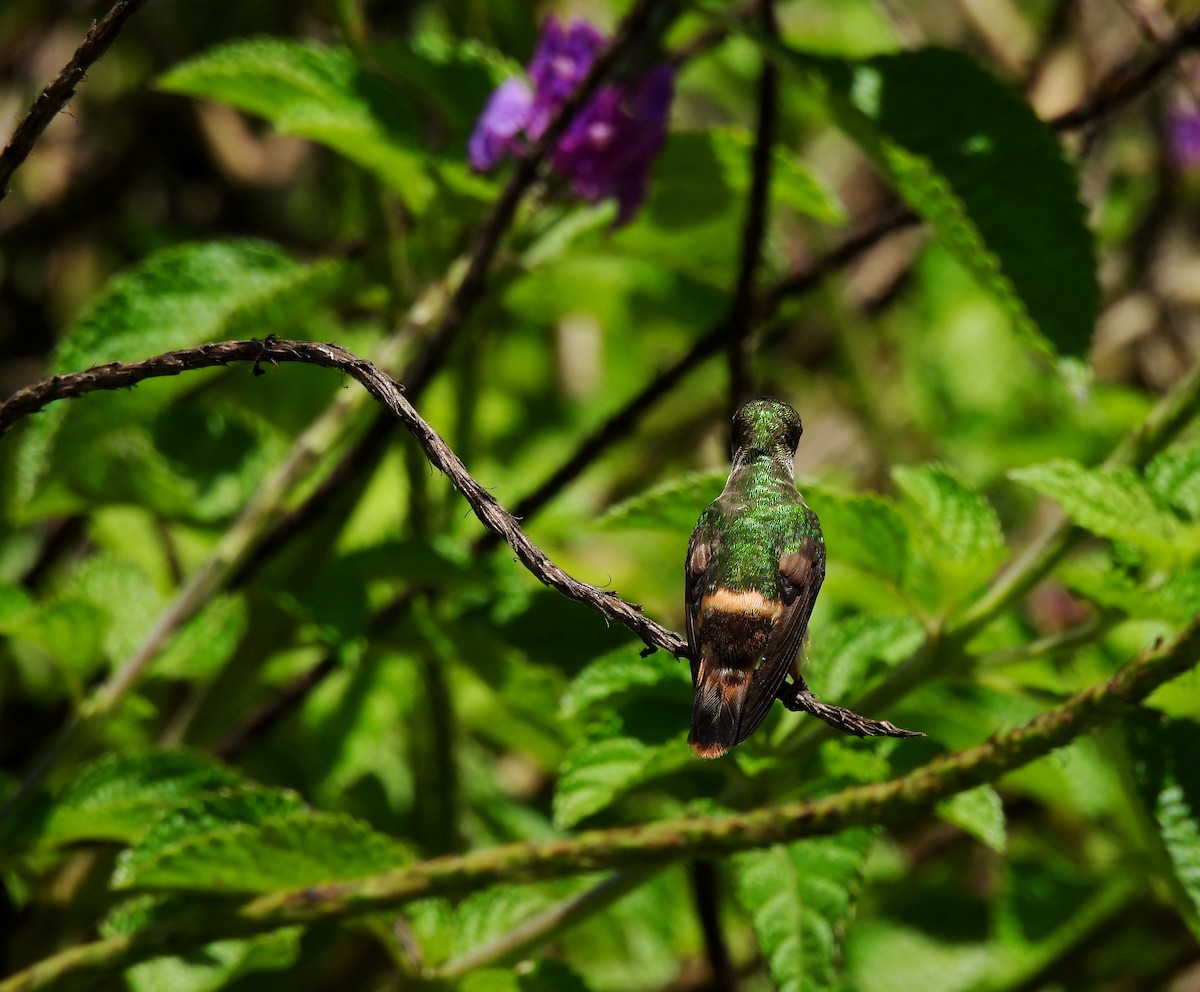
x: 609, y: 678
x: 206, y: 969
x: 963, y: 523
x: 320, y: 93
x: 800, y: 898
x: 179, y: 297
x: 16, y: 606
x: 596, y: 773
x: 1174, y: 477
x: 243, y: 805
x: 865, y: 531
x: 673, y: 506
x: 956, y: 529
x: 840, y: 659
x: 279, y: 852
x: 206, y: 642
x: 1112, y: 502
x: 988, y: 176
x: 1164, y: 759
x: 980, y: 813
x: 116, y: 797
x: 1167, y: 595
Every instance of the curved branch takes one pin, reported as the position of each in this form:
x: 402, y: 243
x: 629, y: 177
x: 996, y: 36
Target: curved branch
x: 387, y: 392
x: 55, y: 96
x: 651, y: 844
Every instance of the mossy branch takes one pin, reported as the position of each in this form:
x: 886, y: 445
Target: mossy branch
x: 628, y: 847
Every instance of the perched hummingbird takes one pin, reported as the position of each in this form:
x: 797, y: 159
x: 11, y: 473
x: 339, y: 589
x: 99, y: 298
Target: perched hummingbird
x: 754, y: 567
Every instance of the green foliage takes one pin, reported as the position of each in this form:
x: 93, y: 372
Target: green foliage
x: 212, y: 967
x: 1164, y: 770
x: 1111, y: 502
x: 254, y: 843
x: 800, y: 898
x: 116, y: 797
x: 980, y: 812
x: 382, y: 690
x: 984, y: 171
x: 325, y: 94
x: 179, y: 297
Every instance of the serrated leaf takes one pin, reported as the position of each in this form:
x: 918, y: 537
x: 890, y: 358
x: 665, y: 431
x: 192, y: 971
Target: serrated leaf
x: 612, y: 676
x: 596, y: 773
x: 321, y: 93
x: 1174, y: 477
x: 116, y: 797
x: 865, y: 531
x: 1173, y: 595
x: 966, y: 527
x: 988, y: 176
x: 673, y: 506
x: 181, y: 296
x: 841, y: 655
x: 1111, y: 502
x: 800, y: 898
x: 980, y: 812
x: 1164, y: 764
x: 956, y: 529
x: 205, y: 969
x: 244, y: 805
x: 279, y: 852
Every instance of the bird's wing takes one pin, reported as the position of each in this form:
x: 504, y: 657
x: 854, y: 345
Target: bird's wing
x: 802, y: 572
x: 699, y: 554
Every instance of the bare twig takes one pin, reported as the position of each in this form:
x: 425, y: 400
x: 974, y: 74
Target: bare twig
x: 1130, y: 80
x: 55, y: 96
x: 391, y: 396
x: 655, y: 843
x: 741, y: 317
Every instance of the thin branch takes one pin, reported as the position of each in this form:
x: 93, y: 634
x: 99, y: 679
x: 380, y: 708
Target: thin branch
x: 618, y: 425
x: 55, y: 96
x: 1130, y: 80
x: 657, y: 843
x: 741, y: 315
x: 391, y: 396
x: 365, y: 453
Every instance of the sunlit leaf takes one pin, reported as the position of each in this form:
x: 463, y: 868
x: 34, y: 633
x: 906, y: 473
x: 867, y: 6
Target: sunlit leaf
x: 117, y: 797
x: 596, y: 773
x: 800, y: 898
x: 179, y: 297
x: 988, y: 176
x: 1112, y: 502
x: 673, y: 506
x: 979, y: 812
x: 604, y: 681
x: 282, y: 851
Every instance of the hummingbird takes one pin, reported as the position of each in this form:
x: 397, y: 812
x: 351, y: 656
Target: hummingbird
x: 755, y: 564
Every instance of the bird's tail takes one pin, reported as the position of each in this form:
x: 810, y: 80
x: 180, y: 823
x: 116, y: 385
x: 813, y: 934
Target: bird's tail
x: 717, y: 709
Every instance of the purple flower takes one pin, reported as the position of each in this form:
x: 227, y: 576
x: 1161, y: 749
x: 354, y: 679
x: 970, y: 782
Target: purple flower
x: 1183, y: 136
x: 561, y: 61
x: 505, y: 116
x: 610, y: 145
